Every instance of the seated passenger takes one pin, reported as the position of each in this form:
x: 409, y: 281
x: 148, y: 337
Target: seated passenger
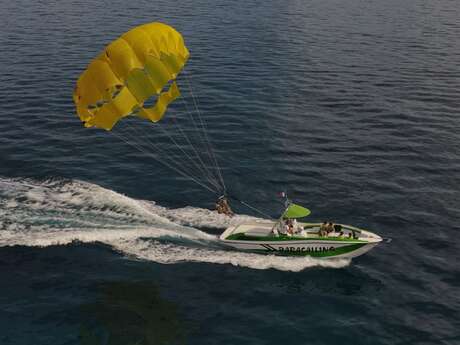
x: 337, y: 228
x: 295, y: 227
x: 329, y: 227
x: 323, y: 230
x: 284, y: 228
x: 290, y: 227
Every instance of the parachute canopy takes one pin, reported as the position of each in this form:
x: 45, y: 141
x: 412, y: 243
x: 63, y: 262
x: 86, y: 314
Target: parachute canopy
x: 296, y: 211
x: 130, y: 71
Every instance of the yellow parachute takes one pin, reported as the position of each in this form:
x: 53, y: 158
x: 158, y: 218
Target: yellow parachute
x: 132, y: 69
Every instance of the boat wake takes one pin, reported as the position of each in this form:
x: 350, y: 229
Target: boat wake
x: 58, y: 212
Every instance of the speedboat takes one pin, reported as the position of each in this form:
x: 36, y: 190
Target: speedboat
x: 307, y: 239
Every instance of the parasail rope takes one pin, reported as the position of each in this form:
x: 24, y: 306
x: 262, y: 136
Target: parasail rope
x: 203, y: 170
x: 146, y: 136
x: 171, y: 166
x: 164, y: 162
x: 167, y: 155
x: 126, y: 136
x: 200, y: 136
x: 250, y: 207
x: 203, y: 126
x: 137, y: 133
x: 211, y: 175
x: 189, y: 176
x: 175, y: 121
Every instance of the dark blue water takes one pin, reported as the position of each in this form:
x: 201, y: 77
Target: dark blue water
x: 351, y: 106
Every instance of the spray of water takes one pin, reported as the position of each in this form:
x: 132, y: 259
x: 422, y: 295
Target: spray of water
x: 54, y: 212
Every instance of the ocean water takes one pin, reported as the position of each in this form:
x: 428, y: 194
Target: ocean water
x: 351, y: 106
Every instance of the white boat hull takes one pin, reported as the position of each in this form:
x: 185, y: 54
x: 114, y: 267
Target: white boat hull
x: 240, y: 237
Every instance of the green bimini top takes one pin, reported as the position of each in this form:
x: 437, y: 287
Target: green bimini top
x: 296, y: 211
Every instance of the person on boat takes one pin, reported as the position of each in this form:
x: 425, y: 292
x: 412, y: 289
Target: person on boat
x: 222, y: 207
x: 338, y: 230
x: 290, y: 227
x: 330, y: 228
x: 302, y: 232
x: 295, y: 226
x: 298, y: 229
x: 323, y: 229
x: 284, y: 228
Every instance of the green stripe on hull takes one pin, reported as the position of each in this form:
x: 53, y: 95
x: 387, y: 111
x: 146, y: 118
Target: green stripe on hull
x: 319, y: 253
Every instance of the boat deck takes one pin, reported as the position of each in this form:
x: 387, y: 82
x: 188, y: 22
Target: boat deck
x: 262, y: 231
x: 282, y: 237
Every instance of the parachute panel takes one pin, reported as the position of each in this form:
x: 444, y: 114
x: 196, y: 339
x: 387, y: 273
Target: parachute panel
x: 140, y: 85
x: 108, y: 115
x: 122, y: 58
x: 156, y: 113
x: 158, y: 72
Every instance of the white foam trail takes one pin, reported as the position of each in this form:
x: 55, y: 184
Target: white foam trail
x: 108, y: 236
x: 171, y: 254
x: 59, y: 212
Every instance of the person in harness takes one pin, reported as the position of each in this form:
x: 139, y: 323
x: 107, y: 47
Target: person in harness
x: 222, y: 206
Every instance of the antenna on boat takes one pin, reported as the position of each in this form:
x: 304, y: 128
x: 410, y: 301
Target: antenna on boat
x: 287, y: 202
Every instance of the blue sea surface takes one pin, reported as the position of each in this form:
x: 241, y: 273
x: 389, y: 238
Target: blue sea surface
x: 351, y: 106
